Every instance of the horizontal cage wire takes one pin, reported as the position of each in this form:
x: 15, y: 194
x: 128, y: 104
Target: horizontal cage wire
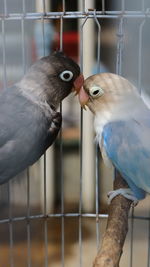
x: 55, y: 212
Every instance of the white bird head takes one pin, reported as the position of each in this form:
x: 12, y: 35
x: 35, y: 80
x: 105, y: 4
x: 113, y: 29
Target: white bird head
x: 106, y: 91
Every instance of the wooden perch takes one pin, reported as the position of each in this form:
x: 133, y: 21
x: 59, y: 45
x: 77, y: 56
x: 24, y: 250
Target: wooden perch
x: 116, y: 230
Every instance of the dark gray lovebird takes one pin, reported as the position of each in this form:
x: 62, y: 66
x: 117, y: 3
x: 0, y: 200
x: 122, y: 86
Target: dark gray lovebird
x: 29, y: 122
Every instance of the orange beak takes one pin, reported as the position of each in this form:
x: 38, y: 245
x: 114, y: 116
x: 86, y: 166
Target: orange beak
x: 78, y: 87
x: 83, y: 98
x: 78, y: 83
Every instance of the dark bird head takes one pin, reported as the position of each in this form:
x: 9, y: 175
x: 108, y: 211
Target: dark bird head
x: 52, y: 78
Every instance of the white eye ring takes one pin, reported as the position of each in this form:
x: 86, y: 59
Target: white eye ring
x: 96, y: 91
x: 66, y: 75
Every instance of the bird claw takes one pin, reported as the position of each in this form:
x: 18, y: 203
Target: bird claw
x: 126, y: 192
x: 56, y: 122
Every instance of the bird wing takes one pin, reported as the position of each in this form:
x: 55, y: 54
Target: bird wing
x: 24, y: 134
x: 127, y: 144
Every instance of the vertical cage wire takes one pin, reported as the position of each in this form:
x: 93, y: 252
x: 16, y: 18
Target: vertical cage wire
x: 61, y: 157
x: 81, y: 149
x: 123, y: 5
x: 23, y: 36
x: 45, y: 215
x: 148, y: 255
x: 83, y: 5
x: 131, y: 237
x: 120, y: 35
x: 4, y: 54
x: 63, y: 6
x: 44, y: 159
x: 11, y: 241
x: 5, y: 7
x: 61, y: 34
x: 11, y: 236
x: 4, y: 46
x: 140, y: 56
x: 28, y: 221
x: 28, y: 171
x: 143, y: 5
x: 44, y: 163
x: 97, y: 158
x: 44, y: 6
x: 103, y: 6
x: 62, y: 198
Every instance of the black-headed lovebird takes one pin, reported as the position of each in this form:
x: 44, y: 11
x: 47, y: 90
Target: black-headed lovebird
x: 29, y: 121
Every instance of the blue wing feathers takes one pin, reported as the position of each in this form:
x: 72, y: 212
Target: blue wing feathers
x: 127, y: 144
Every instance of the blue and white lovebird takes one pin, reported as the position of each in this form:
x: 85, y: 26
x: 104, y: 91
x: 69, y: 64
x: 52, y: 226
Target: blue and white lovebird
x: 122, y: 125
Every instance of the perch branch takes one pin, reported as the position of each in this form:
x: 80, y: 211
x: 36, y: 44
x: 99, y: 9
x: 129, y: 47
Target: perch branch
x: 116, y: 230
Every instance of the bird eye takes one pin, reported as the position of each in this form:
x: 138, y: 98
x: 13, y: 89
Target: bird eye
x: 96, y: 91
x: 66, y: 75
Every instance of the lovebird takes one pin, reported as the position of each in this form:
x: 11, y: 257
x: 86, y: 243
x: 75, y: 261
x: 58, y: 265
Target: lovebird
x: 122, y: 126
x: 29, y: 121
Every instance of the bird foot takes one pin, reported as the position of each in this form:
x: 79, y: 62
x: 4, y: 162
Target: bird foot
x: 126, y: 192
x: 56, y: 123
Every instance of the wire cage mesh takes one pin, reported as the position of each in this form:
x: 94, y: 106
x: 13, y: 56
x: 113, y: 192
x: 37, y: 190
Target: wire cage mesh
x: 54, y: 213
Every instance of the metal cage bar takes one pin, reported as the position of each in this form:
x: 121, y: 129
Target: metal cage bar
x: 4, y: 54
x: 44, y: 159
x: 67, y: 215
x: 148, y: 255
x: 61, y: 156
x: 81, y: 150
x: 97, y: 158
x: 131, y: 237
x: 11, y: 241
x: 140, y: 56
x: 76, y: 15
x: 28, y: 221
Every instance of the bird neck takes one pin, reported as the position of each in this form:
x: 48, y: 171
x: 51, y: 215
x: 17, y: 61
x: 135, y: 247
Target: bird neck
x: 34, y: 93
x: 32, y: 87
x: 124, y: 108
x: 36, y: 90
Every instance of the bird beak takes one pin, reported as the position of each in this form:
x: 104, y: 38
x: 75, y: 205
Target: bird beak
x: 78, y: 83
x: 83, y: 98
x: 78, y: 88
